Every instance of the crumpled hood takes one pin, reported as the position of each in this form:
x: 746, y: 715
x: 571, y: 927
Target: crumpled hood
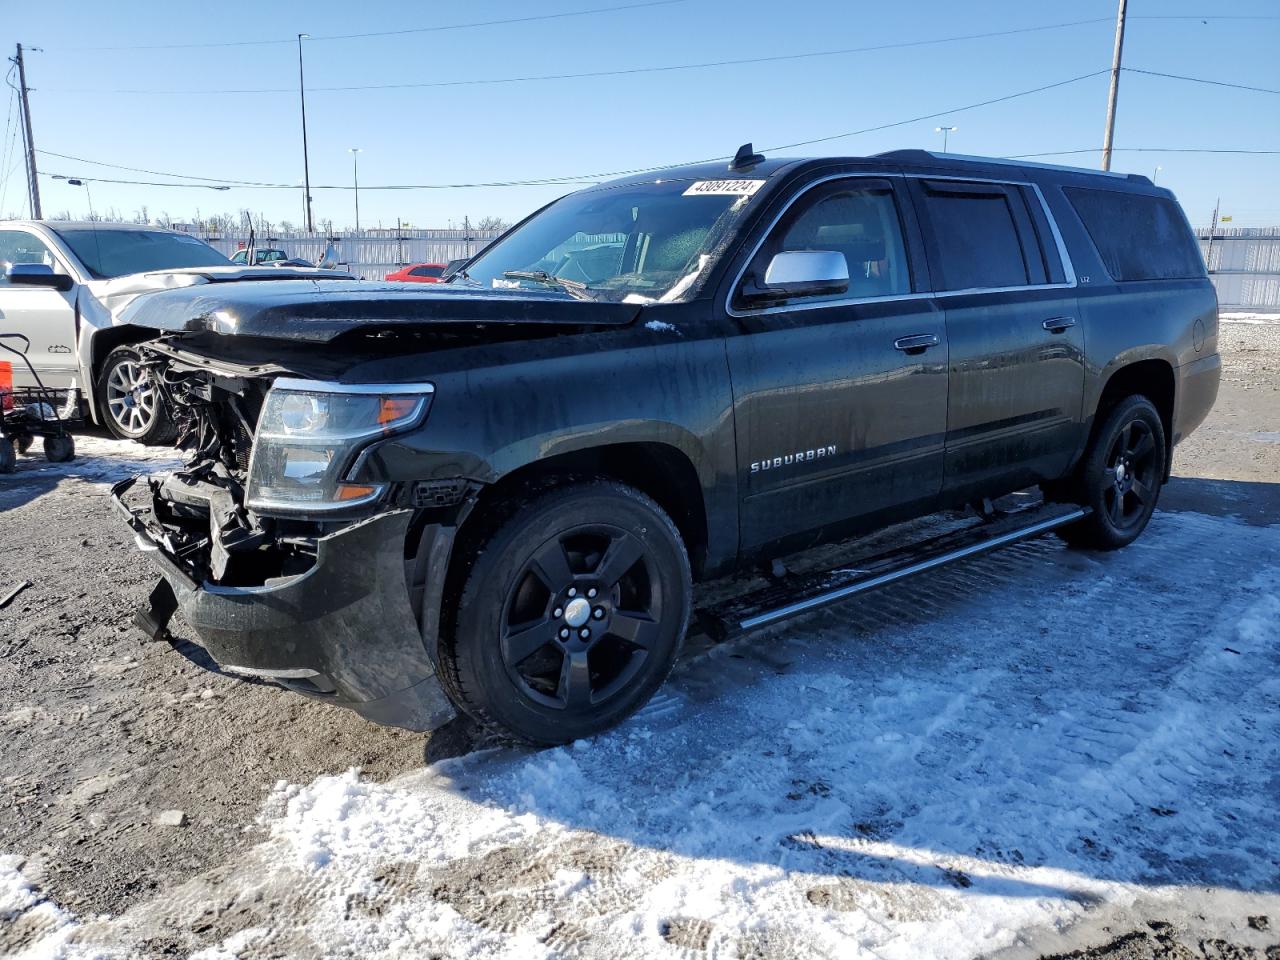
x: 117, y: 293
x: 318, y: 311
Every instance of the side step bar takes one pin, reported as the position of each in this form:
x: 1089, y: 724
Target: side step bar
x: 804, y: 594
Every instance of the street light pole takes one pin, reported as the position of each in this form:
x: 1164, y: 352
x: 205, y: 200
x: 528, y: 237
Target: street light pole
x: 945, y: 131
x: 355, y: 179
x: 1114, y: 92
x: 306, y: 165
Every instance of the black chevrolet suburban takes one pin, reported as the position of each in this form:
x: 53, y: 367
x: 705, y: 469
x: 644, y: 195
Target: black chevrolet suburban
x: 494, y: 494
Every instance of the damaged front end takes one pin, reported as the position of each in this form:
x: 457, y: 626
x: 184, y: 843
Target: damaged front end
x: 287, y: 570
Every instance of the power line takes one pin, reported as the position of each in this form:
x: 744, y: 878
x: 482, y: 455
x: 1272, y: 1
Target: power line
x: 597, y: 74
x: 388, y: 33
x: 1067, y: 153
x: 939, y: 113
x: 581, y: 178
x: 1215, y: 83
x: 162, y: 173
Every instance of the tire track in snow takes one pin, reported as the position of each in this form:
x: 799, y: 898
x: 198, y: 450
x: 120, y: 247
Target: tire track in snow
x: 923, y: 773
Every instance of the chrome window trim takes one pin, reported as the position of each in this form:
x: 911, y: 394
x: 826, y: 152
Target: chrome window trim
x: 1067, y: 267
x: 330, y: 386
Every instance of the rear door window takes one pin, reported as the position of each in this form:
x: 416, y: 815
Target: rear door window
x: 979, y: 235
x: 1137, y: 237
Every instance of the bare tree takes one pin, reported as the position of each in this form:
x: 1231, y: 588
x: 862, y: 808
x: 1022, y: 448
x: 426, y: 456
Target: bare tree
x: 492, y: 223
x: 141, y: 215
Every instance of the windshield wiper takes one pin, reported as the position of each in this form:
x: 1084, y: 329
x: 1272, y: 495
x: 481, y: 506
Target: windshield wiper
x: 574, y: 288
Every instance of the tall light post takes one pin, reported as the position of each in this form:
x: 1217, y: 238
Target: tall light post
x: 355, y: 179
x: 306, y: 165
x: 945, y: 131
x: 78, y: 182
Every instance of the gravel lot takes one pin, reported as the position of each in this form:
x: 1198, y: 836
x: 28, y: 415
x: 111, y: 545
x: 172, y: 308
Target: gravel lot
x: 102, y: 739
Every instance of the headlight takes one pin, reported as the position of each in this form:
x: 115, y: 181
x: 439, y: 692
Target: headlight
x: 308, y: 436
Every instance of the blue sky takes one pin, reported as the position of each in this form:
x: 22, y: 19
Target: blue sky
x: 552, y: 128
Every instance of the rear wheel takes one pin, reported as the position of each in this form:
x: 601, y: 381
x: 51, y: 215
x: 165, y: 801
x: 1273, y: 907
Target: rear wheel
x: 1120, y: 477
x: 572, y: 615
x: 129, y: 400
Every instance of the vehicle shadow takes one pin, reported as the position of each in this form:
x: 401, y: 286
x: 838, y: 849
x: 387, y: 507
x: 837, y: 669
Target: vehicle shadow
x: 1036, y: 723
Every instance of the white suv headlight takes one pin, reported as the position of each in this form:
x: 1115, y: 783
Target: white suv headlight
x: 309, y: 433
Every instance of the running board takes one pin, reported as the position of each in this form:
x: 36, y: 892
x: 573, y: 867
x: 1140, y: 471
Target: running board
x: 804, y: 594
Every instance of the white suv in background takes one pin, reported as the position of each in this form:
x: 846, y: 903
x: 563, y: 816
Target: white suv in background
x: 61, y: 282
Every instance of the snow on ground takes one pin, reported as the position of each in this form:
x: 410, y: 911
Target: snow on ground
x: 1250, y: 317
x: 940, y: 770
x: 99, y: 462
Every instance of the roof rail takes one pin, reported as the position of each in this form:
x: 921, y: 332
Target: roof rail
x: 924, y: 156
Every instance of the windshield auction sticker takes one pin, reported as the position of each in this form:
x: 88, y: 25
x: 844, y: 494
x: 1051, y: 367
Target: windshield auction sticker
x: 724, y: 188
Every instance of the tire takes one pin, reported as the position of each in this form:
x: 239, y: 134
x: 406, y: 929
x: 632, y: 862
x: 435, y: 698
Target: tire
x: 1120, y: 477
x: 8, y: 456
x: 572, y: 614
x: 130, y: 403
x: 60, y: 449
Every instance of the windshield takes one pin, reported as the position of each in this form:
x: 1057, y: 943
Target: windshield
x: 114, y: 253
x: 638, y: 242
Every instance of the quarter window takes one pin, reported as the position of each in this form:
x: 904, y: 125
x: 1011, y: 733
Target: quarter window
x: 979, y: 235
x: 858, y: 219
x: 1137, y: 237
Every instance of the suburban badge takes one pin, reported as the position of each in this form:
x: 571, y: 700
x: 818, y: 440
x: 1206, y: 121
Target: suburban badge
x: 790, y: 459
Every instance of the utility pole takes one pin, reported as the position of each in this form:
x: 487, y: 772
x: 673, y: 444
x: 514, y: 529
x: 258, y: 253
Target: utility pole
x: 1213, y: 228
x: 1115, y: 87
x: 33, y: 182
x: 355, y: 178
x: 306, y: 164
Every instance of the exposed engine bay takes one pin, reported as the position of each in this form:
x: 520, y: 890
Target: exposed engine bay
x: 198, y: 512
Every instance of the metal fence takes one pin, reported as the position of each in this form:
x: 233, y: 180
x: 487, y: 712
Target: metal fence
x: 371, y: 254
x: 1244, y: 263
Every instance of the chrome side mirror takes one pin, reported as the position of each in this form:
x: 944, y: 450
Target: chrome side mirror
x: 802, y: 273
x: 37, y: 275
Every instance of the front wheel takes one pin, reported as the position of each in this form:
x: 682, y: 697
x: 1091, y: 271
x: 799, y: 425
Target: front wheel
x: 1120, y: 477
x: 129, y: 400
x: 572, y: 614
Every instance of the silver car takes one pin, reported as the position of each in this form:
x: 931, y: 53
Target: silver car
x: 62, y: 284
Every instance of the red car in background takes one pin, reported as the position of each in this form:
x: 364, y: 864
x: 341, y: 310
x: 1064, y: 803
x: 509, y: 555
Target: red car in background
x: 419, y: 273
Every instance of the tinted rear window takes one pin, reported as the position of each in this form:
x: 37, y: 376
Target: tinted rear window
x: 427, y: 271
x: 975, y: 239
x: 1138, y: 238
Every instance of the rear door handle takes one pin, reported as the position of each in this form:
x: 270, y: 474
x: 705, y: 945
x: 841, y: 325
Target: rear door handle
x: 1058, y: 324
x: 918, y: 343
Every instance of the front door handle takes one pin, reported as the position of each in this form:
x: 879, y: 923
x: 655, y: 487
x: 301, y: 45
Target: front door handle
x: 918, y: 343
x: 1058, y: 324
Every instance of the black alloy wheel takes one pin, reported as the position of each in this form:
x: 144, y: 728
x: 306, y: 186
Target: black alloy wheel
x: 1131, y: 477
x: 572, y: 614
x: 581, y: 617
x: 1120, y: 476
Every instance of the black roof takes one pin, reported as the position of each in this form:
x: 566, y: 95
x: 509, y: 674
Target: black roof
x: 771, y: 166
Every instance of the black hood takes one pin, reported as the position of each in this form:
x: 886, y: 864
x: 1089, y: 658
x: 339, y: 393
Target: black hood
x: 319, y: 311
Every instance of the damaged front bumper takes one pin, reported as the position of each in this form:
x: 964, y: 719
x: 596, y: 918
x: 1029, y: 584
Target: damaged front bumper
x: 344, y: 630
